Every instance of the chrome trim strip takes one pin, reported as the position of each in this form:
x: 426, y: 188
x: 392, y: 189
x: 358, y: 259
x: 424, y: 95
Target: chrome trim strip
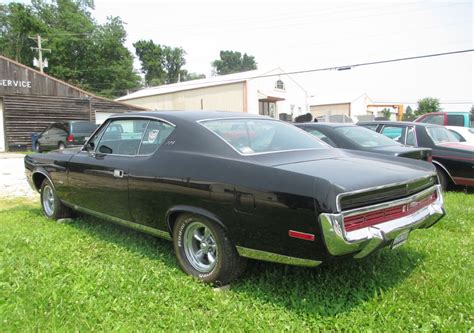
x: 125, y: 223
x: 262, y: 153
x: 365, y: 240
x: 341, y: 195
x: 278, y: 258
x: 443, y: 167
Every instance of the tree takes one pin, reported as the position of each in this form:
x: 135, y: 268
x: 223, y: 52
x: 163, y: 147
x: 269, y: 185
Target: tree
x: 17, y: 22
x: 163, y: 64
x: 386, y: 113
x: 428, y: 105
x: 151, y: 58
x: 84, y: 53
x: 472, y: 110
x: 173, y: 61
x: 409, y: 115
x: 186, y: 76
x: 233, y: 62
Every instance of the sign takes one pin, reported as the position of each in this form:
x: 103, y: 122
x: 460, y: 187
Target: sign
x: 15, y: 83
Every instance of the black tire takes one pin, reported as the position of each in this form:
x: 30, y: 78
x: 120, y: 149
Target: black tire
x: 53, y: 208
x: 443, y: 178
x: 228, y: 265
x: 61, y: 146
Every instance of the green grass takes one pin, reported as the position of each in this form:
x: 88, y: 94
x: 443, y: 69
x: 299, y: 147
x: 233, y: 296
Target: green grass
x: 92, y: 275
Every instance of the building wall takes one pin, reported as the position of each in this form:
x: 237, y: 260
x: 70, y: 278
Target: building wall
x: 330, y: 109
x: 228, y: 97
x: 295, y: 97
x: 359, y: 106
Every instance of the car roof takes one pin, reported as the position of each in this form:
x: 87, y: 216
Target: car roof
x: 189, y: 116
x: 313, y: 124
x: 387, y: 122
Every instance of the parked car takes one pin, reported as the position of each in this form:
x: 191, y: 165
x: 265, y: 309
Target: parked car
x: 277, y: 194
x: 349, y: 136
x: 463, y: 119
x: 64, y: 135
x: 454, y: 161
x: 463, y: 134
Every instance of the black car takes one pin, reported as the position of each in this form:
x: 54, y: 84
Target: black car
x: 64, y: 135
x: 350, y: 136
x: 229, y: 186
x: 454, y: 160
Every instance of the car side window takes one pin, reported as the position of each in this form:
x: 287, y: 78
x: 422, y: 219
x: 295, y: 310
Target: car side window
x: 411, y: 139
x: 155, y: 135
x: 122, y: 137
x: 455, y: 120
x: 396, y: 133
x: 458, y: 136
x: 434, y: 119
x: 321, y: 136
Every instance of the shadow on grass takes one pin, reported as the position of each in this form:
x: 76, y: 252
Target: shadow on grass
x: 327, y: 290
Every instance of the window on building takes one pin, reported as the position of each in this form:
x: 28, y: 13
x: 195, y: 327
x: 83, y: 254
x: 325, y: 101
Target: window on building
x: 280, y: 85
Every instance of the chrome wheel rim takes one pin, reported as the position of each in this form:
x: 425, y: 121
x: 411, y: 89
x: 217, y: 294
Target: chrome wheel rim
x: 200, y: 247
x: 48, y: 200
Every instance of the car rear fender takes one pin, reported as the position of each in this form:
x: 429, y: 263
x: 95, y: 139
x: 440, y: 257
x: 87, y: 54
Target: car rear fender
x: 173, y: 213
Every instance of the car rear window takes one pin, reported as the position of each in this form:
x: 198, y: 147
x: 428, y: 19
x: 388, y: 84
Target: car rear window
x: 365, y: 137
x: 441, y: 135
x: 256, y: 136
x: 83, y: 127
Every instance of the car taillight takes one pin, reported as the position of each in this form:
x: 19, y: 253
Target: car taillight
x: 70, y: 138
x: 383, y: 215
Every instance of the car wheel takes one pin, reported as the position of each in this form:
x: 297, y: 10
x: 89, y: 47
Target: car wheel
x: 443, y: 178
x: 61, y: 146
x: 204, y: 251
x: 53, y: 208
x: 38, y: 147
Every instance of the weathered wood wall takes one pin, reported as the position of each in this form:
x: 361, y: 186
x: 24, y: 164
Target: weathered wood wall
x: 33, y: 100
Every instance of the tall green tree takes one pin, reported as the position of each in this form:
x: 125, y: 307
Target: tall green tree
x: 17, y: 23
x: 386, y: 113
x: 162, y: 64
x: 151, y: 60
x: 409, y: 115
x: 428, y: 105
x: 233, y: 62
x: 84, y: 53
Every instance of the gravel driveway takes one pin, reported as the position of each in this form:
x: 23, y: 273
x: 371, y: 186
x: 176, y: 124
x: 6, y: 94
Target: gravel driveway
x: 12, y: 177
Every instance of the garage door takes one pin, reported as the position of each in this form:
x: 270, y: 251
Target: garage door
x: 2, y: 129
x: 100, y: 117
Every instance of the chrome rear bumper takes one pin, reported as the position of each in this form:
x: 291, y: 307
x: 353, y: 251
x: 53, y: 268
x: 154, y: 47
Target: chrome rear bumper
x: 365, y: 240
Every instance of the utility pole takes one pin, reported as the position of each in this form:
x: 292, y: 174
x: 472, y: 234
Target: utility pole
x: 40, y: 51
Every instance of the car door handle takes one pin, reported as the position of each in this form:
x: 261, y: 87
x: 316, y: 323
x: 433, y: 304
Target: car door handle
x: 118, y: 173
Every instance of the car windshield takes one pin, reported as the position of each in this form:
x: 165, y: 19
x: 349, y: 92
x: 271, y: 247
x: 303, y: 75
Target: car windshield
x: 441, y: 135
x: 366, y: 137
x: 255, y: 136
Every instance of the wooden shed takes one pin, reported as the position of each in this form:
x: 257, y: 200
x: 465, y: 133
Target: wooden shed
x: 31, y: 100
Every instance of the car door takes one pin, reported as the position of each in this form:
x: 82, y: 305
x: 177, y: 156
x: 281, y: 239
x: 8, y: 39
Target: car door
x: 150, y: 190
x: 98, y: 177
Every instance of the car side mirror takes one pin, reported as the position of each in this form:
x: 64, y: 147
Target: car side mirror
x: 89, y: 146
x: 105, y: 150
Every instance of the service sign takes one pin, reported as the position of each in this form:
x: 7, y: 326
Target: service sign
x: 15, y: 83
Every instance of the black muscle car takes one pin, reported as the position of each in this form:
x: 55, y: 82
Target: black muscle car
x: 229, y: 186
x: 454, y: 160
x: 350, y: 136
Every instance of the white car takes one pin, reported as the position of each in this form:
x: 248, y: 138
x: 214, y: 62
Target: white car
x: 464, y: 134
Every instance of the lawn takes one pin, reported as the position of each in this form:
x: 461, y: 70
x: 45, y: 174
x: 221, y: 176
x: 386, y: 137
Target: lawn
x: 87, y: 274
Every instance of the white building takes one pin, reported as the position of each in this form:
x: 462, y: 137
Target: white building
x: 352, y: 106
x: 271, y: 93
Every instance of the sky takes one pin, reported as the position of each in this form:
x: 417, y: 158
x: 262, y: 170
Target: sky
x: 301, y: 35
